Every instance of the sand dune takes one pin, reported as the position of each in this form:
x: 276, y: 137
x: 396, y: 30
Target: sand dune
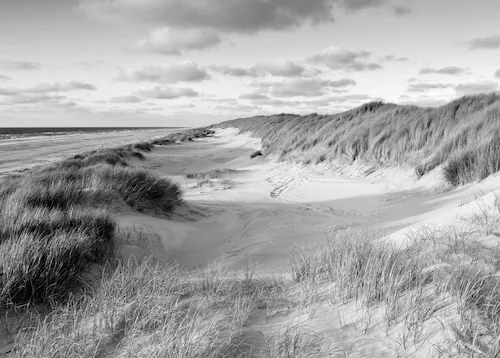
x: 270, y: 208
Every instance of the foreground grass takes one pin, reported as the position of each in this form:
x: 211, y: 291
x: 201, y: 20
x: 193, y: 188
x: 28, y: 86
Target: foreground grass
x: 56, y: 221
x: 143, y: 310
x: 462, y: 135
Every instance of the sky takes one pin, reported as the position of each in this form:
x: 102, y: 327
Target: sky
x: 135, y: 63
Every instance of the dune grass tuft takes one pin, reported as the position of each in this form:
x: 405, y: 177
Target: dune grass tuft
x: 56, y: 221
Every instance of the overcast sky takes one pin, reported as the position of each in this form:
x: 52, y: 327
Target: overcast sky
x: 193, y: 62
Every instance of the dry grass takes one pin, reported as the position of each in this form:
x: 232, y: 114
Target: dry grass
x: 56, y: 222
x: 142, y: 310
x: 213, y: 174
x: 391, y: 135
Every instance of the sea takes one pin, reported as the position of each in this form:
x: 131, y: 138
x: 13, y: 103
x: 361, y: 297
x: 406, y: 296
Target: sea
x: 13, y: 132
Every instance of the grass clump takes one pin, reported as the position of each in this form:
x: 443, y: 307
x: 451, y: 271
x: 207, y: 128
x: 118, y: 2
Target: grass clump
x: 56, y: 222
x: 213, y: 174
x: 143, y: 310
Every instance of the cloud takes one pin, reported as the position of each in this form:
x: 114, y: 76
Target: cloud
x: 230, y: 71
x: 392, y: 58
x: 489, y: 42
x: 228, y: 15
x: 19, y: 65
x: 165, y: 92
x: 402, y: 10
x: 31, y: 98
x: 497, y: 73
x: 284, y: 69
x: 61, y: 87
x: 362, y: 4
x: 340, y: 58
x: 126, y: 99
x: 426, y: 86
x: 253, y: 96
x: 183, y: 72
x: 278, y: 69
x: 302, y: 87
x: 242, y: 16
x: 263, y: 100
x: 476, y: 87
x: 423, y: 101
x: 4, y: 78
x: 449, y: 70
x: 175, y: 42
x: 329, y: 100
x: 49, y: 87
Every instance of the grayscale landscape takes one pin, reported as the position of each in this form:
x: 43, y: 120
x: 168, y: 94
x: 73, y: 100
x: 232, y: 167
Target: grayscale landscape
x: 249, y: 179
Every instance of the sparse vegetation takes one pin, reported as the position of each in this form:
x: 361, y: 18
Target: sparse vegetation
x: 463, y: 135
x: 213, y: 174
x: 255, y: 154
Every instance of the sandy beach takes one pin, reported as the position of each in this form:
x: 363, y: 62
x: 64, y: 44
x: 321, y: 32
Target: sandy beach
x: 19, y: 154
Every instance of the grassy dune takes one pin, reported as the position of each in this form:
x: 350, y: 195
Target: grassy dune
x: 57, y: 221
x: 463, y: 135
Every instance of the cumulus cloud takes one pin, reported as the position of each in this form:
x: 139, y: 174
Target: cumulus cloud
x: 230, y: 71
x: 227, y: 15
x: 278, y: 69
x: 449, y: 70
x: 488, y: 42
x: 477, y: 87
x: 305, y: 87
x: 340, y: 58
x: 248, y: 16
x: 165, y: 92
x: 497, y: 73
x: 426, y: 86
x: 183, y: 72
x: 175, y: 42
x: 126, y: 99
x: 19, y: 65
x: 284, y: 69
x: 49, y: 87
x: 4, y: 78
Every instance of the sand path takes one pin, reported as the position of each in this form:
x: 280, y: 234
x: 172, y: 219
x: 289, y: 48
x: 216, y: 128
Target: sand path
x: 256, y: 214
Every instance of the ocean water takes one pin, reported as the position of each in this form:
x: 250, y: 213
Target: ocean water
x: 9, y: 133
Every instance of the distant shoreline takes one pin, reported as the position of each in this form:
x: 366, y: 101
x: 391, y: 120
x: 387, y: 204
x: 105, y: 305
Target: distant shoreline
x: 17, y: 132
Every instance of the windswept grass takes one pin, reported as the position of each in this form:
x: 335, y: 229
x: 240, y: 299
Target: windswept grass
x: 463, y: 134
x: 56, y: 221
x: 140, y: 310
